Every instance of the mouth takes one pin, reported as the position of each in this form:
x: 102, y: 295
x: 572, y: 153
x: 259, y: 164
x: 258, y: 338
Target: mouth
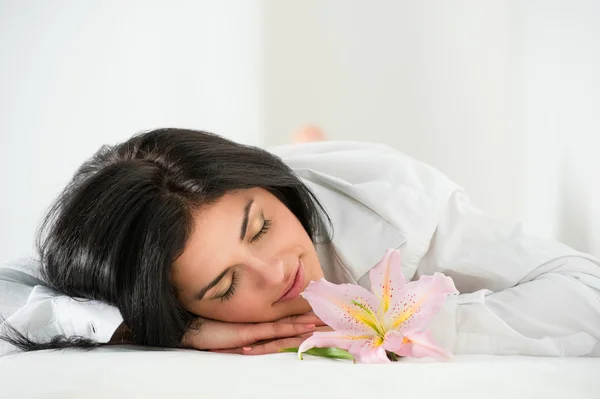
x: 295, y: 286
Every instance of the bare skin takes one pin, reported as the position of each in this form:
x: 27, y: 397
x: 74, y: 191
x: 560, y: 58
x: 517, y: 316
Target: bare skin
x: 308, y: 134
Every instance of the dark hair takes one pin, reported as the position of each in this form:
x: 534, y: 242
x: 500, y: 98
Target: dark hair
x: 114, y: 232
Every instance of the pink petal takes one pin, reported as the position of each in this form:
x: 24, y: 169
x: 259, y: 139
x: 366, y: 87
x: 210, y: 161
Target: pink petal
x: 404, y: 350
x: 326, y: 340
x: 418, y: 302
x: 394, y: 340
x: 415, y: 344
x: 333, y: 303
x: 368, y: 351
x: 387, y: 278
x: 422, y: 345
x: 364, y: 350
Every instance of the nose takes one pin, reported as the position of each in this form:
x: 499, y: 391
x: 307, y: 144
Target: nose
x: 270, y: 272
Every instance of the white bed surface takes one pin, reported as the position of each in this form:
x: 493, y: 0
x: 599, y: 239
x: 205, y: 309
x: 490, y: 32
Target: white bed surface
x: 130, y: 372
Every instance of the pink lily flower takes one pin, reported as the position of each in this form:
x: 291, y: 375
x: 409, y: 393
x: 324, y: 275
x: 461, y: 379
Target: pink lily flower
x: 392, y: 318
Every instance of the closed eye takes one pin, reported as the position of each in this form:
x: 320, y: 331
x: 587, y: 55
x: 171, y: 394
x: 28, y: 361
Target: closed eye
x: 262, y: 232
x: 227, y: 296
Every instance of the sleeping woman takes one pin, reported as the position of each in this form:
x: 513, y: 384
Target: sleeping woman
x: 182, y: 238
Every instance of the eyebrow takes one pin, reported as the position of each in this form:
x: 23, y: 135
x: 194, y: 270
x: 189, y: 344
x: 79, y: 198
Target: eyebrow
x: 245, y: 221
x: 218, y: 279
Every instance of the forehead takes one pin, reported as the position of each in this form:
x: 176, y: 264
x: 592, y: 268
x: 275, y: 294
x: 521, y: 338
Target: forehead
x: 214, y: 225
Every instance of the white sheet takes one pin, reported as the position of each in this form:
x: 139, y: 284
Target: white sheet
x: 130, y: 372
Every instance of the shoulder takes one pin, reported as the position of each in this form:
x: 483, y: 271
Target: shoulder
x: 377, y: 197
x: 335, y: 157
x: 374, y: 166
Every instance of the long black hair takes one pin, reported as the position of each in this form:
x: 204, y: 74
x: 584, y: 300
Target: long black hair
x: 114, y: 232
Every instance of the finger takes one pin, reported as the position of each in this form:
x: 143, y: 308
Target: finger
x: 275, y: 346
x: 307, y: 318
x: 303, y: 336
x: 323, y: 328
x: 233, y: 351
x: 260, y: 331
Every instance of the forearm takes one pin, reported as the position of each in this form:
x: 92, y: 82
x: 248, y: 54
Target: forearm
x: 556, y: 314
x: 519, y: 294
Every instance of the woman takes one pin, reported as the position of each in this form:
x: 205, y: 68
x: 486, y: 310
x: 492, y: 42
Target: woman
x: 184, y: 238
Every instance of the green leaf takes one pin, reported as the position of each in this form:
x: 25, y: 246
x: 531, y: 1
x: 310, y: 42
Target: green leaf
x: 333, y: 353
x: 295, y: 350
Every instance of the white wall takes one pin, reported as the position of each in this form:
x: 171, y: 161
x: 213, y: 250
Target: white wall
x: 560, y: 104
x: 78, y: 74
x: 501, y: 95
x: 436, y: 79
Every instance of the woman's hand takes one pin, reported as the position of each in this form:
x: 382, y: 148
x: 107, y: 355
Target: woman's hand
x: 266, y: 347
x: 226, y: 337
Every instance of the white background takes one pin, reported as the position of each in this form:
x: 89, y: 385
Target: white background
x: 502, y: 95
x: 78, y: 74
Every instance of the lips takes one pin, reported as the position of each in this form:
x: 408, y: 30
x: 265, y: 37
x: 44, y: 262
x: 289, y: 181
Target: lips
x: 295, y: 286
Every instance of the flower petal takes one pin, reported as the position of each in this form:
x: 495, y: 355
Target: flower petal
x: 369, y: 351
x: 418, y: 302
x: 404, y: 350
x: 330, y: 339
x: 326, y: 340
x: 347, y: 308
x: 387, y: 278
x: 394, y: 340
x: 422, y: 345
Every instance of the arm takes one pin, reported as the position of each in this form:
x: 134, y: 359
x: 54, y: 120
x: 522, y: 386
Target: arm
x: 519, y: 295
x: 40, y: 313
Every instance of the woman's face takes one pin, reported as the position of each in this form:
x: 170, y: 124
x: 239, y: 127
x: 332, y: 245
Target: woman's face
x: 245, y: 252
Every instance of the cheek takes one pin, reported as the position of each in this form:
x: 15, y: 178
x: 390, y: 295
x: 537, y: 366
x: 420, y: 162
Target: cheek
x: 297, y: 237
x: 288, y: 232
